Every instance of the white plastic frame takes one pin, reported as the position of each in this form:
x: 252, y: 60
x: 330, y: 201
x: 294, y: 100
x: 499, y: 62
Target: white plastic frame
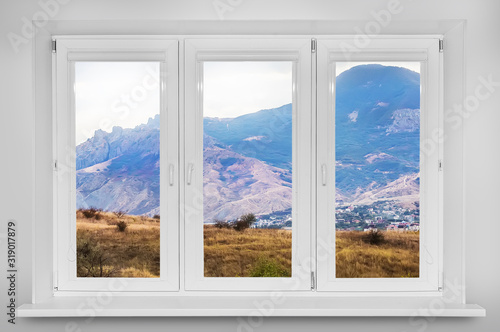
x: 297, y: 51
x: 452, y: 301
x: 426, y: 51
x: 69, y: 50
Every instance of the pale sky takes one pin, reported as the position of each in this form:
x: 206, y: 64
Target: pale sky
x: 126, y: 94
x: 343, y: 66
x: 109, y: 94
x: 231, y: 89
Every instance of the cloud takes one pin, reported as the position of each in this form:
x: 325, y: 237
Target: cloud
x: 353, y: 116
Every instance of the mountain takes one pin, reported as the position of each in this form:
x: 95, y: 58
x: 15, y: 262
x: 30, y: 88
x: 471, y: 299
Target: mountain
x: 247, y: 159
x: 143, y: 139
x: 404, y: 191
x: 234, y: 184
x: 265, y: 135
x: 119, y: 171
x: 377, y: 123
x: 377, y: 130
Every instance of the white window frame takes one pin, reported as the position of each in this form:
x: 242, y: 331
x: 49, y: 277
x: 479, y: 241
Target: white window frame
x: 425, y: 51
x: 48, y: 302
x: 298, y: 51
x: 70, y: 50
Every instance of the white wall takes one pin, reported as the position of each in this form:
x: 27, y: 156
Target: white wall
x: 482, y: 155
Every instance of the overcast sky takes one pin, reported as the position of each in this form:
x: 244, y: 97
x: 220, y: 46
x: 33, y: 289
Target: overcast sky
x: 231, y: 89
x: 236, y: 88
x: 109, y: 94
x: 126, y: 94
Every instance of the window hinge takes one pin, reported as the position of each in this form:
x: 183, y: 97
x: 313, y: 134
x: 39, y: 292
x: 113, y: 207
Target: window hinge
x: 55, y: 165
x: 441, y: 45
x: 440, y: 165
x: 313, y: 281
x: 54, y: 46
x: 313, y: 45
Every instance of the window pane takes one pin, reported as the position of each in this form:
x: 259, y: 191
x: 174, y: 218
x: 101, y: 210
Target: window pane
x: 247, y: 169
x: 377, y: 142
x: 117, y: 133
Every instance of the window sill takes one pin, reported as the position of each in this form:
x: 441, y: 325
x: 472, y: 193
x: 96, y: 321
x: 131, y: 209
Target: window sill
x: 141, y: 306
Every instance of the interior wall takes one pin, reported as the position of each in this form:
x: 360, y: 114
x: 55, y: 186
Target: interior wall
x: 481, y: 119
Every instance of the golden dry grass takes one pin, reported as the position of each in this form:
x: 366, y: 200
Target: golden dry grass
x: 396, y: 257
x: 132, y: 253
x: 229, y: 253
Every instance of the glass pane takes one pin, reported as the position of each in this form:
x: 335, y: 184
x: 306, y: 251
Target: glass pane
x: 247, y: 169
x: 117, y: 133
x: 377, y: 169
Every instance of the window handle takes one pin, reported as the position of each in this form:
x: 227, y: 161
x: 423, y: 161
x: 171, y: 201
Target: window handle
x: 171, y: 174
x: 323, y: 174
x: 190, y: 173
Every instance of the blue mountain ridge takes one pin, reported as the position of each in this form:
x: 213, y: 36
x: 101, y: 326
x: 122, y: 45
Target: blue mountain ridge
x: 248, y: 158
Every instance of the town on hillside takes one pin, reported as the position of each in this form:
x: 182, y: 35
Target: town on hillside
x: 378, y: 216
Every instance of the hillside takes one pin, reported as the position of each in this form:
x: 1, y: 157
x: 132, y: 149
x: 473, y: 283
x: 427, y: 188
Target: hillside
x: 247, y: 159
x: 235, y: 185
x: 377, y: 127
x: 228, y: 253
x: 119, y: 171
x: 265, y: 135
x: 105, y: 251
x: 396, y: 256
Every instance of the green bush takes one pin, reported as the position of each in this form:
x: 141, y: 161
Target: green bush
x: 268, y: 268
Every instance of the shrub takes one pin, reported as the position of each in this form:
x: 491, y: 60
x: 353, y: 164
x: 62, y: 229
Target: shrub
x: 218, y: 223
x: 156, y: 216
x: 244, y: 222
x: 91, y: 258
x: 374, y: 237
x: 121, y: 225
x: 240, y: 225
x: 119, y: 214
x: 92, y: 213
x: 268, y: 268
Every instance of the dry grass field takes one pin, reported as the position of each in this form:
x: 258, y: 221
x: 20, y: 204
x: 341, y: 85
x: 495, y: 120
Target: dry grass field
x: 250, y: 253
x: 105, y: 250
x: 396, y: 256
